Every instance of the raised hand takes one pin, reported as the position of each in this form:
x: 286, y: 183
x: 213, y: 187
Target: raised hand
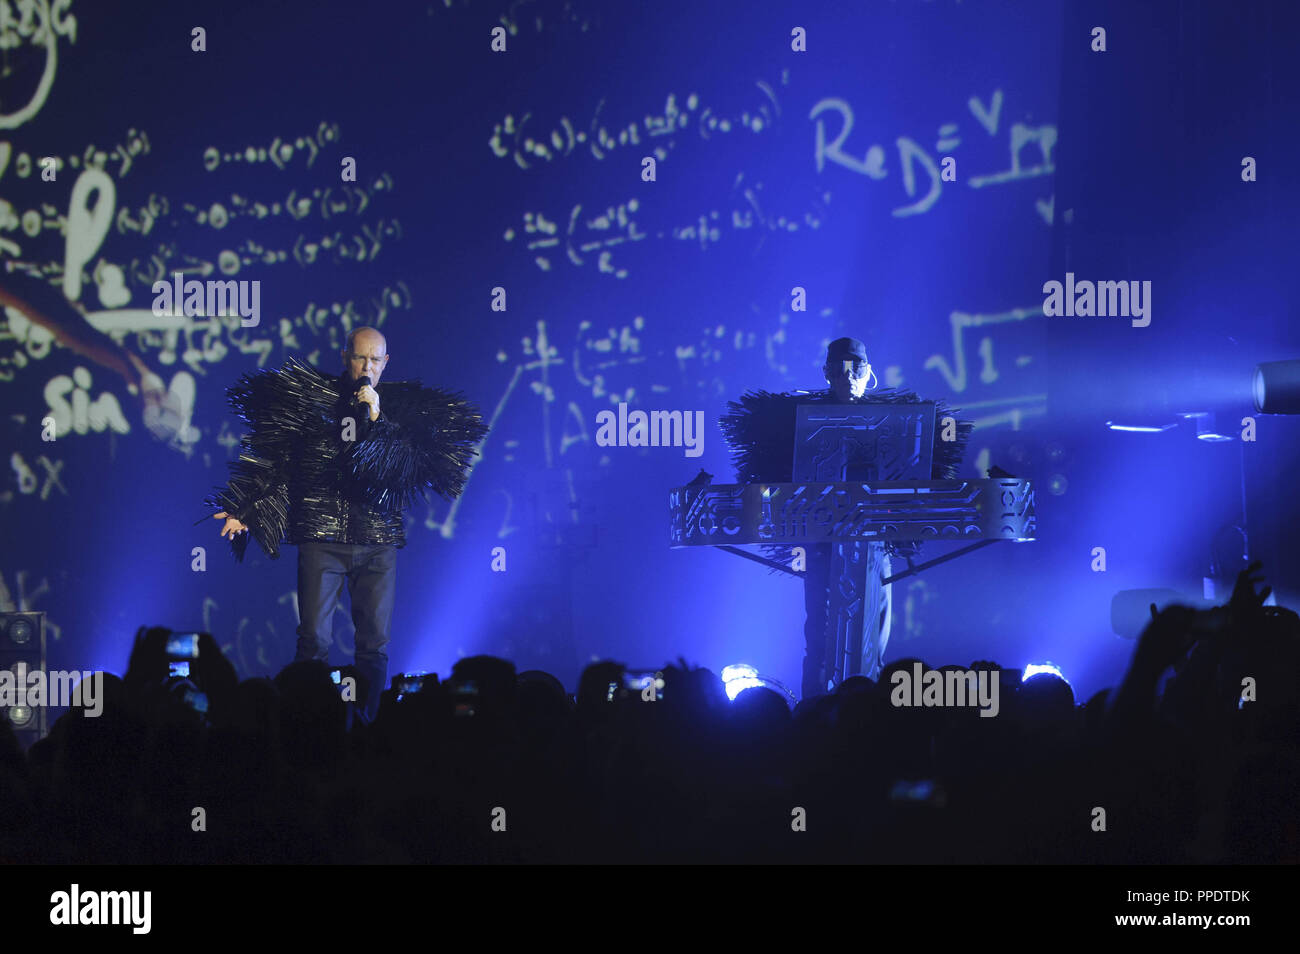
x: 1167, y: 637
x: 1245, y: 602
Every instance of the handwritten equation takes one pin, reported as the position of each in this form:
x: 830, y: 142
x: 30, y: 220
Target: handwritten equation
x: 585, y: 237
x: 82, y: 273
x: 912, y: 154
x: 511, y: 138
x: 594, y: 237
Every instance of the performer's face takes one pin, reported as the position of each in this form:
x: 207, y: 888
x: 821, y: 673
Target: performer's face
x: 368, y: 358
x: 848, y: 378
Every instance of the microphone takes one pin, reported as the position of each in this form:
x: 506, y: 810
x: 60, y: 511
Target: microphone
x: 362, y: 382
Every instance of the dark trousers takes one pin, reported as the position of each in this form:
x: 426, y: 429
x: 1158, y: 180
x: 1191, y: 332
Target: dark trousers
x: 371, y: 576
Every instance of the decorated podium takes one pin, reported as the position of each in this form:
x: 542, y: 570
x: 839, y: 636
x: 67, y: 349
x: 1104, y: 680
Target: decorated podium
x: 863, y: 482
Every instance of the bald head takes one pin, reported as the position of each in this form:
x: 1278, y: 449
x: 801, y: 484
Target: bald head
x: 366, y: 355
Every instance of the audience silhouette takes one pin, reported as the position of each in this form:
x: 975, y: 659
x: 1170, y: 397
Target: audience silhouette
x: 1197, y: 765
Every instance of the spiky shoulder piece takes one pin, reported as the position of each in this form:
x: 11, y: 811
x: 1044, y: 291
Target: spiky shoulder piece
x: 760, y: 431
x: 425, y: 439
x: 281, y: 408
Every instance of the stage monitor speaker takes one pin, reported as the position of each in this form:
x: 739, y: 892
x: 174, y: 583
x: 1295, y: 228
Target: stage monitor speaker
x: 22, y: 641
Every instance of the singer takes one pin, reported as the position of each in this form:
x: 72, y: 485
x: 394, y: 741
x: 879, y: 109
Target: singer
x: 330, y: 464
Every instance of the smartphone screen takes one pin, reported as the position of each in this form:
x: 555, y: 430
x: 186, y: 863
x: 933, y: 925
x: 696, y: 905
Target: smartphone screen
x: 183, y: 646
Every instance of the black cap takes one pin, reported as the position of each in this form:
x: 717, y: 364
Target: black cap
x: 846, y: 349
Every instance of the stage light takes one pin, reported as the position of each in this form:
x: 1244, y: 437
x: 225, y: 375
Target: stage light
x: 1206, y: 426
x: 736, y: 679
x: 739, y: 677
x: 1141, y: 427
x: 1276, y: 387
x: 1038, y: 669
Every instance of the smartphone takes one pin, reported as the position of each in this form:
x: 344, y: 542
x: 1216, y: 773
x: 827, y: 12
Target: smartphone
x: 178, y: 668
x: 464, y: 697
x: 183, y: 646
x: 406, y: 684
x: 336, y: 676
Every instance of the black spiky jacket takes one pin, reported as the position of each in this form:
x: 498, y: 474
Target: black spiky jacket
x: 296, y: 479
x: 759, y: 430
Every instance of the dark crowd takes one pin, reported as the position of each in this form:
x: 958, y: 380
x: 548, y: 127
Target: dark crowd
x: 1194, y: 758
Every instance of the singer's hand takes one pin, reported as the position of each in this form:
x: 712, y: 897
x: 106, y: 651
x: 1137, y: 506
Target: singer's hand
x: 368, y: 395
x: 232, y: 526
